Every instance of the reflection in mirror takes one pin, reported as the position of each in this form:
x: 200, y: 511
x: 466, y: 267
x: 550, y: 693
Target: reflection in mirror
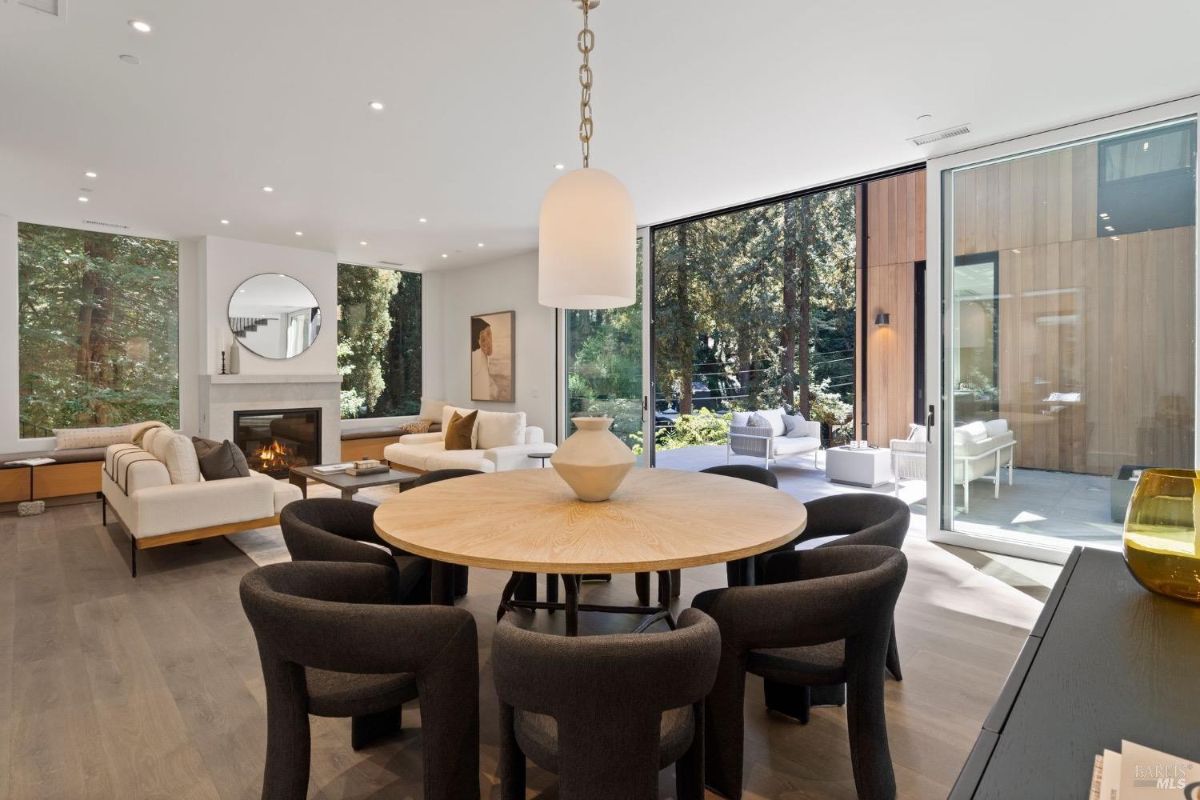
x: 274, y: 316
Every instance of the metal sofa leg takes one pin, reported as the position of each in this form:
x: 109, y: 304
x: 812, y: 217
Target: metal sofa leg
x: 103, y: 510
x: 132, y: 557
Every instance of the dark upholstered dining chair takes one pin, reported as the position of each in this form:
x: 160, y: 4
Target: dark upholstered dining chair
x: 829, y: 625
x: 847, y: 519
x: 333, y: 644
x: 605, y: 713
x: 745, y: 472
x: 327, y: 529
x: 460, y: 573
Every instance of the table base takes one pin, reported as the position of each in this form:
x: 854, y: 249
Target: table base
x: 572, y: 606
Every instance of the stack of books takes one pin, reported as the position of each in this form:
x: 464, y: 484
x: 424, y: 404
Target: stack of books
x: 1141, y: 773
x: 368, y: 466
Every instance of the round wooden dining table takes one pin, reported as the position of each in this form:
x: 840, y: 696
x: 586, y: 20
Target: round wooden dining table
x: 529, y: 521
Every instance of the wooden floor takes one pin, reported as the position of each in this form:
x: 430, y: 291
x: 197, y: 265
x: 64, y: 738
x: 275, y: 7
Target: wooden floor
x: 150, y: 688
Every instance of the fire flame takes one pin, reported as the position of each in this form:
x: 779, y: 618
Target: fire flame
x: 273, y: 455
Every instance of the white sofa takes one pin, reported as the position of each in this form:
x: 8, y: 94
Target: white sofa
x: 160, y: 497
x: 772, y: 434
x: 981, y: 449
x: 501, y: 441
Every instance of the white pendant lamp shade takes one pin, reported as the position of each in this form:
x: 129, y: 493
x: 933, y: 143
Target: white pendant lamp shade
x: 587, y: 243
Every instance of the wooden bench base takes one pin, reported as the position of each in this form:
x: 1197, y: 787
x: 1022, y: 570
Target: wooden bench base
x: 178, y: 537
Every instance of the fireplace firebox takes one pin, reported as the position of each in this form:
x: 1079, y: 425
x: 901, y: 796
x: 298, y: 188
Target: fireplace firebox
x: 276, y: 441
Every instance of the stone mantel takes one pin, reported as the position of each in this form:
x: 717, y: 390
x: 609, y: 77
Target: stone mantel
x: 221, y: 395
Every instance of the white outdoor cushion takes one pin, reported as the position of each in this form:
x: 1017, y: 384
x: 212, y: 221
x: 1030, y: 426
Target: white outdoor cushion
x: 791, y: 424
x: 996, y: 427
x: 791, y: 446
x: 179, y: 454
x: 971, y: 433
x: 499, y: 429
x: 432, y: 409
x: 741, y: 419
x: 769, y: 418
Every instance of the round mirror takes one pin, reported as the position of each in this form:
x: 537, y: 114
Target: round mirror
x: 274, y: 316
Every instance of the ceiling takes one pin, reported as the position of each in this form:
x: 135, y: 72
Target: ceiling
x: 699, y: 104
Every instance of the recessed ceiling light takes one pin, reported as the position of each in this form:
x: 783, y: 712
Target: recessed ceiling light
x: 1109, y: 228
x: 364, y: 244
x: 89, y: 174
x: 560, y: 166
x: 1103, y: 215
x: 1115, y: 238
x: 224, y: 222
x: 83, y: 198
x: 1016, y: 251
x: 140, y: 25
x: 127, y: 58
x: 479, y: 245
x: 1145, y: 146
x: 375, y: 105
x: 299, y: 233
x: 445, y: 255
x: 422, y: 220
x: 268, y: 189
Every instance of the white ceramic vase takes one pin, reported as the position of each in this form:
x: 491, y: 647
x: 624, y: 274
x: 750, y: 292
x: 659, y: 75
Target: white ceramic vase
x: 592, y: 460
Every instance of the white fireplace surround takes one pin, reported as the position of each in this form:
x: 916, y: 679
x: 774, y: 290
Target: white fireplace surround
x: 221, y: 395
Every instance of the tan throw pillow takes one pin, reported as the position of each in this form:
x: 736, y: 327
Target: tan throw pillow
x: 82, y: 438
x: 458, y: 432
x: 420, y: 426
x: 140, y: 429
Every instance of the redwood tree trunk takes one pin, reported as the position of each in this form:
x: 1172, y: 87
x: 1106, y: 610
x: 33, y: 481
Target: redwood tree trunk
x: 688, y: 351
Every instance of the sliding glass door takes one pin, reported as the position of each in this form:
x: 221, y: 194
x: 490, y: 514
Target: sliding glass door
x: 1068, y: 352
x: 604, y: 367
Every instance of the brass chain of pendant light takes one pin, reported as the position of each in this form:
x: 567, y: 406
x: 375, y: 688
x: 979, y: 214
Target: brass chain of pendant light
x: 585, y: 42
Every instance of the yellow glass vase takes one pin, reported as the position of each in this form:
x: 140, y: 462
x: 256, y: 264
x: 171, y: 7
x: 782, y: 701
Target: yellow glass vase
x: 1162, y: 548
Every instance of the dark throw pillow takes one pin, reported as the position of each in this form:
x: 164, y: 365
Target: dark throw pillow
x: 220, y: 460
x: 458, y: 432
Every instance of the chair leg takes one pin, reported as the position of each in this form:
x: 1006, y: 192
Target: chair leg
x: 642, y: 583
x: 689, y: 769
x: 551, y: 589
x: 893, y: 656
x: 370, y: 728
x: 791, y: 701
x: 676, y: 575
x: 512, y: 760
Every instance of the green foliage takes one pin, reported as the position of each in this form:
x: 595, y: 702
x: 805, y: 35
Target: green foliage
x: 98, y: 329
x: 689, y: 430
x: 830, y: 409
x: 379, y: 341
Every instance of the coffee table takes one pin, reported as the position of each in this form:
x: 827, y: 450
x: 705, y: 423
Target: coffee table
x: 349, y: 484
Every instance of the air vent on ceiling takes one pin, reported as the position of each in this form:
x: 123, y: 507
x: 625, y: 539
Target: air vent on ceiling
x: 55, y: 8
x: 105, y: 224
x: 392, y: 263
x: 937, y: 136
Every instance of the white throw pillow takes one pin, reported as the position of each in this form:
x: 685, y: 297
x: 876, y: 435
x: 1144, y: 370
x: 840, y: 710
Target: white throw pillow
x: 432, y: 409
x: 971, y: 433
x: 741, y: 418
x: 83, y: 438
x: 180, y: 458
x: 769, y: 418
x: 791, y: 426
x: 448, y: 414
x: 499, y: 429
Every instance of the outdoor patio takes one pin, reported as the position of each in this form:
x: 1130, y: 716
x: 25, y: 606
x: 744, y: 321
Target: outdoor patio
x: 1056, y: 504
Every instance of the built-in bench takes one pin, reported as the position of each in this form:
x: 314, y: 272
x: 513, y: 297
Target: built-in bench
x: 359, y: 443
x: 74, y: 472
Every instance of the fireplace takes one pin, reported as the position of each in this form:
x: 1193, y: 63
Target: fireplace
x: 276, y: 441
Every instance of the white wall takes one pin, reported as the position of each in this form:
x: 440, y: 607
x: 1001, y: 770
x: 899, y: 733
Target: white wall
x: 10, y: 394
x: 506, y: 285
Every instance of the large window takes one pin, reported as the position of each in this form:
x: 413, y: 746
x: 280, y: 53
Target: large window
x: 98, y: 329
x: 379, y: 341
x: 753, y: 309
x: 603, y: 354
x: 1071, y: 287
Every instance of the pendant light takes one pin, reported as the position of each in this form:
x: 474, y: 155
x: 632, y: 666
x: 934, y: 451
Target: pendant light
x: 586, y: 230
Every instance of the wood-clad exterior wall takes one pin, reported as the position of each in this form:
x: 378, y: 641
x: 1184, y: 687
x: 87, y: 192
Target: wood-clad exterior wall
x: 1111, y: 319
x: 894, y: 243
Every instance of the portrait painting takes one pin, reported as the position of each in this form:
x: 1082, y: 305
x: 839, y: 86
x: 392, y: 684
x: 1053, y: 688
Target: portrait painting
x: 492, y: 356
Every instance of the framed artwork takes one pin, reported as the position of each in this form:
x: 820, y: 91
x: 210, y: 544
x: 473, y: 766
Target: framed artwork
x: 492, y: 352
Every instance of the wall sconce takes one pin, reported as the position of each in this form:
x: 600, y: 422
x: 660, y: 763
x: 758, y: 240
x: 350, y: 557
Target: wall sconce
x: 883, y: 318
